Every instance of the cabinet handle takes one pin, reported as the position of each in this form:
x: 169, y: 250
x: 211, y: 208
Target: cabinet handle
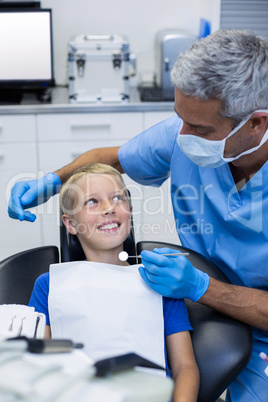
x: 104, y: 124
x: 2, y: 155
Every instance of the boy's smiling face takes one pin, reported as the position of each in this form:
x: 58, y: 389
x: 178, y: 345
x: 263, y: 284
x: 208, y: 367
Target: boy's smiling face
x: 101, y: 215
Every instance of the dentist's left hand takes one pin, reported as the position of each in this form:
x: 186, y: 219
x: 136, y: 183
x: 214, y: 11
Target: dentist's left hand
x: 173, y: 277
x: 28, y: 194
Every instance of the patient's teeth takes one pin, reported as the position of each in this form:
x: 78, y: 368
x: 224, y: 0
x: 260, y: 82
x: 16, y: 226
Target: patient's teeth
x: 109, y: 226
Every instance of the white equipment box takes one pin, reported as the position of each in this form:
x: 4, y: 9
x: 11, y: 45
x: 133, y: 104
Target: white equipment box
x: 99, y: 68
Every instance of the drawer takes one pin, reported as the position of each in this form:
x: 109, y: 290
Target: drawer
x: 16, y: 128
x: 54, y: 155
x: 91, y: 126
x: 19, y: 157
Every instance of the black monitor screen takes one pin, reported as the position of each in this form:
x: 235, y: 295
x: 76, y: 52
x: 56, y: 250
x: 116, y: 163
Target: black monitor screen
x: 26, y: 48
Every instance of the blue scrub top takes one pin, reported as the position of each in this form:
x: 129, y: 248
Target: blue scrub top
x: 214, y: 219
x: 211, y: 217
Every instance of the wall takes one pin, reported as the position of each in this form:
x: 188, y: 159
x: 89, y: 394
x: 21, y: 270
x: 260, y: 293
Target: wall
x: 139, y: 20
x: 240, y: 14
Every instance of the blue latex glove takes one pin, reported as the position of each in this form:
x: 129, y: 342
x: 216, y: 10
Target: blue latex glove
x: 173, y: 277
x: 28, y: 194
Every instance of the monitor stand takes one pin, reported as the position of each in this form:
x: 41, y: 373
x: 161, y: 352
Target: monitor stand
x: 18, y: 96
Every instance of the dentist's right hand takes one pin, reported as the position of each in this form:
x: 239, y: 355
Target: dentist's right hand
x: 28, y: 194
x: 173, y: 277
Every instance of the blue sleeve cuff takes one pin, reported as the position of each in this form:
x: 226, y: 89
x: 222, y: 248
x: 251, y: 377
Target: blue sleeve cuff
x: 175, y: 316
x: 39, y: 297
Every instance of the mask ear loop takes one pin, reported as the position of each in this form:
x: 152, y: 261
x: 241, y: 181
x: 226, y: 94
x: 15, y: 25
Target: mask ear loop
x: 263, y: 140
x: 180, y: 126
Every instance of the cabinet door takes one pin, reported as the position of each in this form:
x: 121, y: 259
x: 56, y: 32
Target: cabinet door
x: 16, y: 128
x: 17, y: 162
x: 54, y: 155
x: 157, y: 221
x: 152, y: 118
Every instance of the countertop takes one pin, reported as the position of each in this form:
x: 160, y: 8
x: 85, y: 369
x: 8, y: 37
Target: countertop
x: 60, y: 104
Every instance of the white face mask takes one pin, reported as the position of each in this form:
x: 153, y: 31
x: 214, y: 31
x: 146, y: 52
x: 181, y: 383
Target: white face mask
x: 209, y: 153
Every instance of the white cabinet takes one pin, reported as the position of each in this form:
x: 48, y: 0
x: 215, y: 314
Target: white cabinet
x: 89, y: 126
x: 152, y: 118
x: 17, y: 128
x: 18, y: 161
x: 156, y: 222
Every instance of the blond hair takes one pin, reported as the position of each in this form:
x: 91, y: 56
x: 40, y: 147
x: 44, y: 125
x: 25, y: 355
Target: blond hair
x: 69, y: 188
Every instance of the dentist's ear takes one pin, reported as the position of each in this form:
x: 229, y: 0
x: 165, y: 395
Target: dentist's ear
x: 69, y: 223
x: 259, y: 123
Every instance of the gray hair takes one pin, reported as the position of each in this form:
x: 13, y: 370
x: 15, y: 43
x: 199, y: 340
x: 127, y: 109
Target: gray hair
x: 230, y: 66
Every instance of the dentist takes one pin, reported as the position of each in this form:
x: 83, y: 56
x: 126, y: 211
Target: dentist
x: 215, y: 151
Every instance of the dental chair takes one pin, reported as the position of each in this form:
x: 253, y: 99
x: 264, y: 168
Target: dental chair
x: 222, y: 345
x: 19, y: 272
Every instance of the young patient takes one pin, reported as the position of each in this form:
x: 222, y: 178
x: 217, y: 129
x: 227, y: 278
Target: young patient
x: 97, y: 209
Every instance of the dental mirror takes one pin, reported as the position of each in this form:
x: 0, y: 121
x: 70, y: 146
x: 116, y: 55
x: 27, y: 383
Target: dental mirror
x: 123, y: 255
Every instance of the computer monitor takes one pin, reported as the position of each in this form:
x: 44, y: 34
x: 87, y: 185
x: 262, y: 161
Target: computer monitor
x: 26, y: 53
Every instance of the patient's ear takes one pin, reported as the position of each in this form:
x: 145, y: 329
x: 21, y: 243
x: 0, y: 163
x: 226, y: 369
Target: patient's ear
x: 69, y: 223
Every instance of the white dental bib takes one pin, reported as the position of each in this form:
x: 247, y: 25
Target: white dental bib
x: 108, y: 308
